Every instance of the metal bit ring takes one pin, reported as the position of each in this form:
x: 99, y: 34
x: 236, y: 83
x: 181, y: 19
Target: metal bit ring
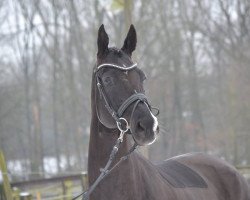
x: 122, y: 125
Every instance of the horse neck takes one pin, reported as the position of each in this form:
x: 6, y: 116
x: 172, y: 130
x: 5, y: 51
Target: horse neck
x: 122, y: 178
x: 101, y: 143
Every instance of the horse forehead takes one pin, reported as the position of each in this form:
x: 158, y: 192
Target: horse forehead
x: 118, y: 57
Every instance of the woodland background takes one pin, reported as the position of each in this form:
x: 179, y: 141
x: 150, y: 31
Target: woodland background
x: 196, y: 54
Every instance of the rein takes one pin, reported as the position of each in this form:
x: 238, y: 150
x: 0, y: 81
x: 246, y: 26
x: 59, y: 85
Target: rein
x: 105, y: 171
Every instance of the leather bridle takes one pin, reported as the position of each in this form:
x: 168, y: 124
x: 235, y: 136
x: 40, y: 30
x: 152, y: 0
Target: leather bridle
x: 136, y: 98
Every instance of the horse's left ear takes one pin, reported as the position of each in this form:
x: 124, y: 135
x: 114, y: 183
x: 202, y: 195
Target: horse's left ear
x: 130, y: 41
x: 102, y: 41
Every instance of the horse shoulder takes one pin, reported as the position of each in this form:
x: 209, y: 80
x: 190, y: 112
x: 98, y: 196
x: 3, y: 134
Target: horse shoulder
x: 149, y: 182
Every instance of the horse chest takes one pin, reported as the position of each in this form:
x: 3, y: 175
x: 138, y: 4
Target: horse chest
x: 118, y: 185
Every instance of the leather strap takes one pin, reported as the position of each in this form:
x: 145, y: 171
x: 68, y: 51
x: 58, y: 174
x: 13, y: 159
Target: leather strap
x: 129, y: 101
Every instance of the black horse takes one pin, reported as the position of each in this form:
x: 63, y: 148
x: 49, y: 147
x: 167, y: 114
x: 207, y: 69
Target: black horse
x: 116, y: 79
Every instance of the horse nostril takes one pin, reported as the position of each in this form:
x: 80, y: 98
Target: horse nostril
x: 140, y: 127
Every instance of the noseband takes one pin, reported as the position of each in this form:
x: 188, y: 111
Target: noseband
x: 136, y: 98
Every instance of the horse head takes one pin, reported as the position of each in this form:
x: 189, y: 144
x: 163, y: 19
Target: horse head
x: 120, y: 97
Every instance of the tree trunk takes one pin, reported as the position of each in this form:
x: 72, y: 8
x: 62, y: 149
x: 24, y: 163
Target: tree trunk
x: 128, y: 6
x: 27, y: 105
x: 55, y: 89
x: 178, y: 109
x: 38, y: 135
x: 197, y: 118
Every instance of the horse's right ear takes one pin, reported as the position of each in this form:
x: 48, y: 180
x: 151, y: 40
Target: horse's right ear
x: 130, y: 41
x: 102, y: 41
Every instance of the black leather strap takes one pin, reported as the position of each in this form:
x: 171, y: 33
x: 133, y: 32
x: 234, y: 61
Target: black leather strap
x: 107, y: 105
x: 117, y: 114
x: 129, y: 101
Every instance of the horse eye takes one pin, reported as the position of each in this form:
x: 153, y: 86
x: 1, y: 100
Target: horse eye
x: 143, y: 77
x: 107, y: 80
x: 125, y: 80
